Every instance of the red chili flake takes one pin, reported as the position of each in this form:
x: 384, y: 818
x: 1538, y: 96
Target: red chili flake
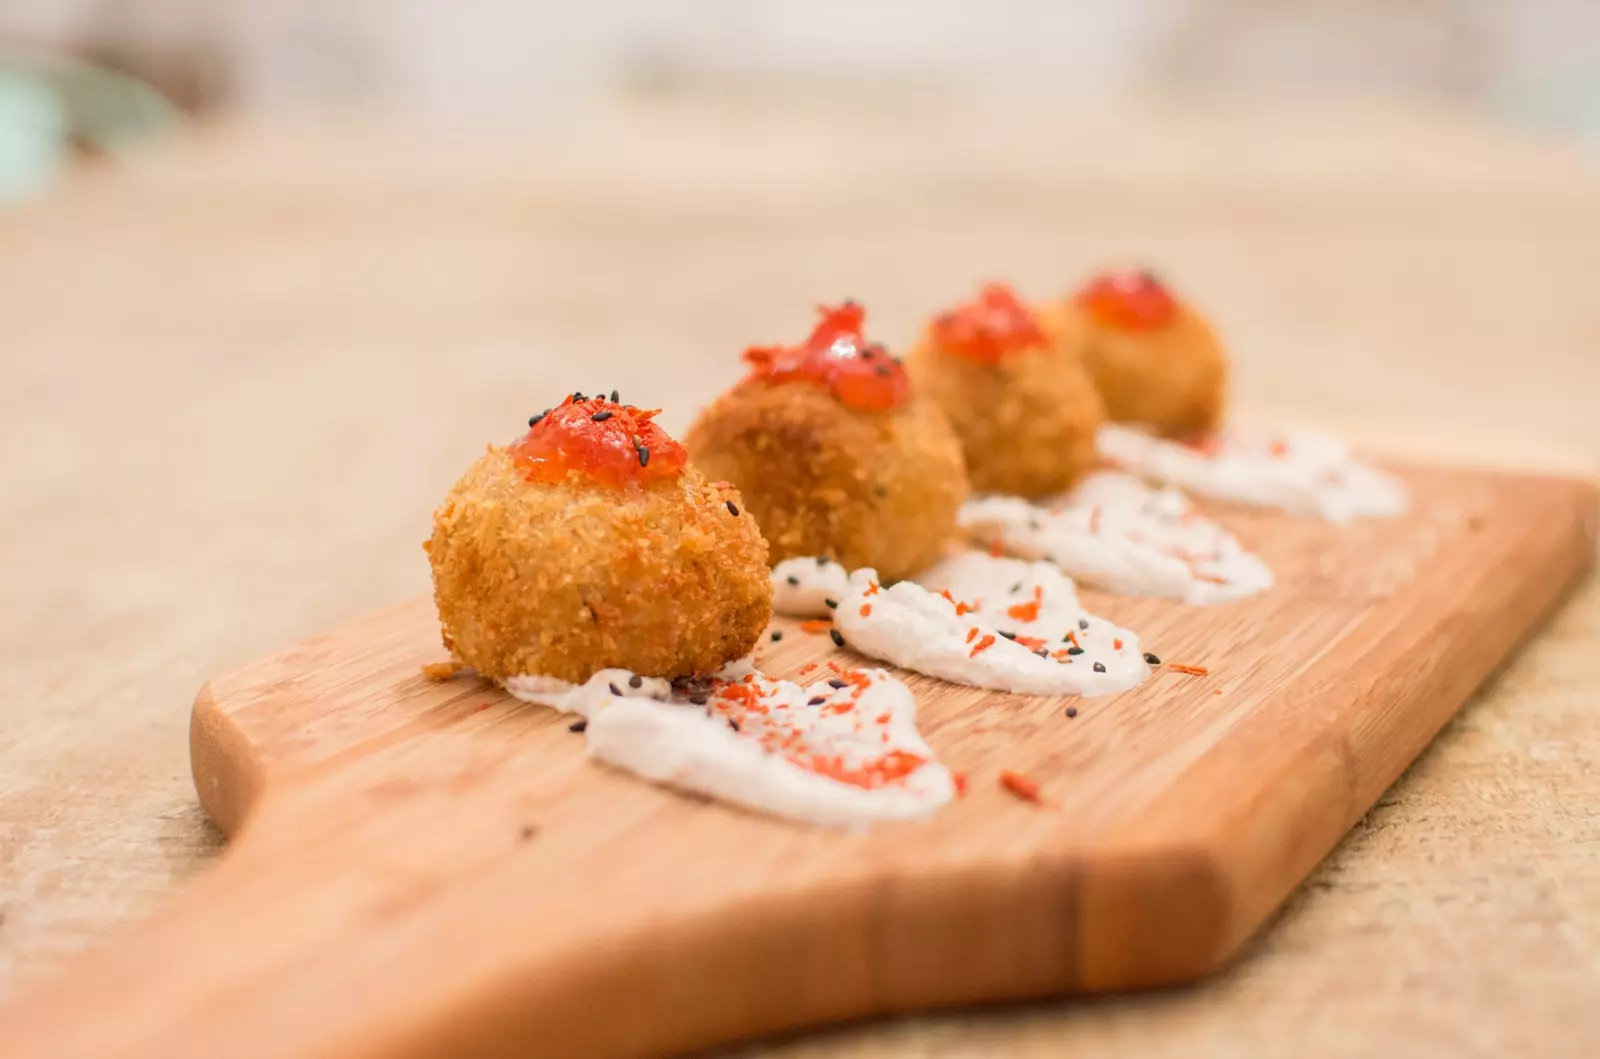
x: 1028, y: 611
x: 981, y: 646
x: 960, y: 779
x: 964, y: 608
x: 1032, y: 643
x: 872, y: 589
x: 1021, y: 786
x: 1279, y: 449
x: 1216, y: 691
x: 972, y: 634
x: 808, y: 667
x: 816, y: 625
x: 1116, y: 645
x: 483, y: 706
x: 866, y: 609
x: 1194, y: 671
x: 895, y: 765
x: 997, y: 548
x: 437, y: 671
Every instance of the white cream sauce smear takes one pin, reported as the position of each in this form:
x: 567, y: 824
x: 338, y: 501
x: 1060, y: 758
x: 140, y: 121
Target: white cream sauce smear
x: 801, y: 588
x: 1117, y: 533
x: 1301, y: 471
x: 989, y: 622
x: 842, y: 751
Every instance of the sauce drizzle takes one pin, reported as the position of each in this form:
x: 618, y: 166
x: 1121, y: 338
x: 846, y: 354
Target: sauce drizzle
x: 988, y: 329
x: 861, y: 375
x: 613, y: 443
x: 1128, y: 300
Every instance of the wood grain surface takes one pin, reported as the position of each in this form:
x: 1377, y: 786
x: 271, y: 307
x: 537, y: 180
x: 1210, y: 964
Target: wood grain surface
x: 434, y: 869
x: 217, y: 361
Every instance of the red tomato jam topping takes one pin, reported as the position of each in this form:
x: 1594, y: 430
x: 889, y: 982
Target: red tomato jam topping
x: 859, y: 374
x: 613, y: 443
x: 1128, y: 301
x: 989, y: 328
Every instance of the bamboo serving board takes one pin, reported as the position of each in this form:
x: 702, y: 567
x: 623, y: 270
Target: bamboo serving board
x: 434, y: 870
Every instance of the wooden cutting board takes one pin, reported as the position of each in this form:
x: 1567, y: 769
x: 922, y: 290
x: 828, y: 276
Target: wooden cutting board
x: 433, y: 869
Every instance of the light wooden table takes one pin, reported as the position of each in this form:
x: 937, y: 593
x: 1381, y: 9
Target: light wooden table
x: 238, y: 373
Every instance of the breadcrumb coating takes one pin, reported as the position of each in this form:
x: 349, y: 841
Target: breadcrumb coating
x: 878, y: 489
x: 567, y: 578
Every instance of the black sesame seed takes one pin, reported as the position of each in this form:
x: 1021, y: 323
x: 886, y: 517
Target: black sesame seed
x: 614, y: 399
x: 1016, y: 588
x: 636, y: 681
x: 1099, y: 667
x: 1152, y: 659
x: 823, y: 560
x: 1083, y: 623
x: 882, y: 370
x: 832, y: 604
x: 867, y: 354
x: 698, y: 700
x: 777, y: 634
x: 837, y: 684
x: 1009, y: 635
x: 793, y: 580
x: 733, y: 509
x: 880, y: 492
x: 1072, y: 711
x: 577, y: 726
x: 837, y: 637
x: 733, y: 724
x: 1074, y: 650
x: 1033, y: 523
x: 817, y: 701
x: 600, y: 417
x: 533, y: 421
x: 1041, y: 652
x: 528, y: 832
x: 644, y: 455
x: 577, y: 395
x: 614, y: 689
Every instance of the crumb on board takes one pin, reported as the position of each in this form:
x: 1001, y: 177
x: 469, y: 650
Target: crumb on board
x: 1021, y: 786
x: 1193, y: 671
x: 439, y: 671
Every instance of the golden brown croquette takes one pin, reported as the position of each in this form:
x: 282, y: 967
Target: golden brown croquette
x: 864, y: 489
x: 1154, y: 359
x: 565, y: 577
x: 1020, y: 399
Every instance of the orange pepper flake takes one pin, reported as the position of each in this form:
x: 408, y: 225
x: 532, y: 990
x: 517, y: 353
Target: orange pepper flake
x: 1210, y: 579
x: 1021, y: 786
x: 1028, y: 611
x: 1193, y: 671
x: 866, y: 609
x: 808, y: 667
x: 1094, y: 519
x: 997, y: 548
x: 816, y: 625
x: 1032, y: 643
x: 982, y: 646
x: 872, y: 589
x: 1279, y: 449
x: 879, y: 772
x: 1216, y: 691
x: 972, y: 634
x: 437, y: 671
x: 1116, y: 645
x: 960, y: 779
x: 962, y: 608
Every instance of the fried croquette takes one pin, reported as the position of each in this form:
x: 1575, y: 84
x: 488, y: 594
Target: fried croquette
x: 835, y: 453
x: 1020, y: 399
x: 1154, y: 359
x: 549, y: 557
